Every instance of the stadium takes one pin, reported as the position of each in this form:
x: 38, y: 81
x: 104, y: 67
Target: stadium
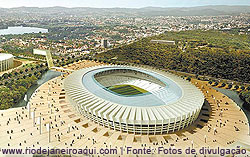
x: 138, y: 100
x: 6, y: 61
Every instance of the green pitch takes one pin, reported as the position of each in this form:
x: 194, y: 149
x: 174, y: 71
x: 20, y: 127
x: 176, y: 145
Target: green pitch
x: 127, y: 90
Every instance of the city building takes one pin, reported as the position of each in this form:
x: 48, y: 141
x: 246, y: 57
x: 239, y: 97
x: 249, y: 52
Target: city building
x: 104, y: 43
x: 163, y: 42
x: 6, y: 61
x: 138, y: 100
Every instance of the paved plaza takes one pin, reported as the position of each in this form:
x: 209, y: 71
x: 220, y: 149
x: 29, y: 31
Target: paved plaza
x: 221, y: 123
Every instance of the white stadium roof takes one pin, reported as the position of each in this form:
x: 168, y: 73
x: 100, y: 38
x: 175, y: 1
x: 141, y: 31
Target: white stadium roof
x: 5, y: 56
x: 83, y: 90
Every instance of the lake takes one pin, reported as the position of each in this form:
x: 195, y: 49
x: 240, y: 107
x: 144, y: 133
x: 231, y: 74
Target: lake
x: 22, y: 30
x: 45, y: 77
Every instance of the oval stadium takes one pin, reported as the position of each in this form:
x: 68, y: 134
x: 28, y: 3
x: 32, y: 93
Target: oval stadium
x: 139, y: 100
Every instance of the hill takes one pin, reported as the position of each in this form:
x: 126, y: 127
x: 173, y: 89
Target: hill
x: 147, y: 11
x: 210, y: 53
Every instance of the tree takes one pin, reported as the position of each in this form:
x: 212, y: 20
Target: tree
x: 245, y: 96
x: 242, y: 88
x: 236, y: 87
x: 230, y: 86
x: 5, y: 76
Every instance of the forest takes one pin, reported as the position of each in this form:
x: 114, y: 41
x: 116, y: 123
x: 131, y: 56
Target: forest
x: 210, y: 53
x: 14, y: 85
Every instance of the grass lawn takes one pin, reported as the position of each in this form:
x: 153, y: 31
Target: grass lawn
x: 127, y: 90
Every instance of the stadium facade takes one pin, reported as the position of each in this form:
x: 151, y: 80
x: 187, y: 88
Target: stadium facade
x: 6, y: 61
x: 139, y: 100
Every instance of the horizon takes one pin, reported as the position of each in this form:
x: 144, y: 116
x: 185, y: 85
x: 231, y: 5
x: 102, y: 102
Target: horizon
x: 120, y: 7
x: 120, y: 4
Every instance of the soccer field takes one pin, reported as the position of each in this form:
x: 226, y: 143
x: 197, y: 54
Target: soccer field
x: 127, y: 90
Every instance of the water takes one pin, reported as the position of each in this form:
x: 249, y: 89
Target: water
x: 45, y: 77
x: 22, y: 30
x: 235, y: 97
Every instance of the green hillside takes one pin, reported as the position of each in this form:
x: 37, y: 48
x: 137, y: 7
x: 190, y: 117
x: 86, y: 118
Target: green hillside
x: 211, y: 53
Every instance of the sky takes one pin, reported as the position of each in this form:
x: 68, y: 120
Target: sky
x: 118, y: 3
